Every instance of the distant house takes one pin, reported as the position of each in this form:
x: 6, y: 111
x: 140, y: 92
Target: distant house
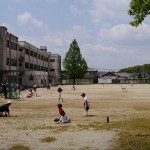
x: 124, y: 77
x: 107, y: 77
x: 91, y: 77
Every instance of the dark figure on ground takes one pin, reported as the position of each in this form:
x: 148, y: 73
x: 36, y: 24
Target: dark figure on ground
x: 73, y: 87
x: 4, y: 109
x: 49, y: 86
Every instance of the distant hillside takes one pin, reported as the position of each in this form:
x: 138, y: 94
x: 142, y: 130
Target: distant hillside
x: 137, y: 69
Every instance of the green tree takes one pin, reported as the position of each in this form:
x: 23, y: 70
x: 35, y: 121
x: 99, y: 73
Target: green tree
x: 139, y: 9
x: 74, y: 64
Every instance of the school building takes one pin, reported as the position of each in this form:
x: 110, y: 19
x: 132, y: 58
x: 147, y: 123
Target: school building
x: 24, y: 63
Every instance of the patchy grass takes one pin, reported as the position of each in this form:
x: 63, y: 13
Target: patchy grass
x: 100, y: 126
x: 133, y: 134
x: 59, y: 128
x: 19, y: 147
x: 85, y: 148
x: 48, y: 139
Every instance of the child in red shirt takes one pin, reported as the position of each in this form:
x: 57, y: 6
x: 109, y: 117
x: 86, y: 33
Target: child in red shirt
x: 63, y: 117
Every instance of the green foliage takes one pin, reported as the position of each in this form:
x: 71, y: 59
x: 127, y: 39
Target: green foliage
x: 139, y: 9
x: 137, y: 69
x: 19, y: 147
x: 48, y: 139
x: 74, y: 64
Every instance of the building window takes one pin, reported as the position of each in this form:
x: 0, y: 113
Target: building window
x: 45, y: 69
x: 13, y: 62
x: 7, y: 61
x: 20, y: 64
x: 42, y: 68
x: 7, y: 43
x: 41, y: 81
x: 20, y: 49
x: 31, y: 66
x: 38, y: 67
x: 52, y: 60
x: 13, y: 46
x: 39, y: 56
x: 27, y: 51
x: 27, y: 65
x: 35, y: 55
x: 31, y: 53
x: 31, y: 77
x: 52, y: 69
x: 35, y: 67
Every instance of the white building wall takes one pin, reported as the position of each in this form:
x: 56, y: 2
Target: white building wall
x: 106, y: 79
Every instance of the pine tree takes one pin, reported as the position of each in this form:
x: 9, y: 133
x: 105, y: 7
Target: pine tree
x: 75, y: 66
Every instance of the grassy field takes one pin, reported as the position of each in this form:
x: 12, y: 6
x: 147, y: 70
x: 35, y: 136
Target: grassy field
x: 31, y: 125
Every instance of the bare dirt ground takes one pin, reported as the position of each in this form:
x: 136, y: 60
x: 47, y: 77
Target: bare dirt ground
x: 32, y: 119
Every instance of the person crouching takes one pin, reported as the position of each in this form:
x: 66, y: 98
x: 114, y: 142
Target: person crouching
x: 4, y: 109
x: 63, y: 117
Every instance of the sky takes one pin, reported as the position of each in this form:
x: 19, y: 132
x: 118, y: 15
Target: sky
x: 100, y: 27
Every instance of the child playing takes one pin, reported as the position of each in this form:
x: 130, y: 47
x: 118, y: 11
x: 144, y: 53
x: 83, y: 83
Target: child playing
x: 60, y: 93
x: 86, y: 104
x: 30, y: 93
x: 63, y: 117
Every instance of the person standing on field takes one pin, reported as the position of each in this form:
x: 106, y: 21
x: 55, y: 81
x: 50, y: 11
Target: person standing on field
x: 35, y: 89
x: 86, y: 103
x: 59, y: 90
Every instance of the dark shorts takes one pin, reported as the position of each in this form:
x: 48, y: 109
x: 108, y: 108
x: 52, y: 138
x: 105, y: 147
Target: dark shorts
x: 87, y: 108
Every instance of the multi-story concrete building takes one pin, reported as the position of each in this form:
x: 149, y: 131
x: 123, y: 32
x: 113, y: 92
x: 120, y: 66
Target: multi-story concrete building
x: 26, y: 64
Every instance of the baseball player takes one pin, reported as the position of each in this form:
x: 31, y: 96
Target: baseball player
x: 63, y: 117
x: 60, y: 93
x: 86, y: 104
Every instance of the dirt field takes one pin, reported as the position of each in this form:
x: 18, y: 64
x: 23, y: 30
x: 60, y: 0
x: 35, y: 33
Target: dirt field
x: 32, y: 119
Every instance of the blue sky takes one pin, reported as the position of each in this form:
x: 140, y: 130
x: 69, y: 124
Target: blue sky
x: 101, y: 28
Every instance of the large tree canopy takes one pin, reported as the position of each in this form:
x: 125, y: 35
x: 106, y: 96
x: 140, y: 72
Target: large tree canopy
x: 139, y: 9
x: 74, y: 64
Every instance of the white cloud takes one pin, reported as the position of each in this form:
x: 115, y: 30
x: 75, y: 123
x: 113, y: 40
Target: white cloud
x: 125, y: 33
x: 27, y: 19
x: 74, y: 10
x: 79, y: 32
x: 106, y: 10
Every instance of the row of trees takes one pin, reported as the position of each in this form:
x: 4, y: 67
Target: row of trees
x: 76, y: 66
x: 142, y: 71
